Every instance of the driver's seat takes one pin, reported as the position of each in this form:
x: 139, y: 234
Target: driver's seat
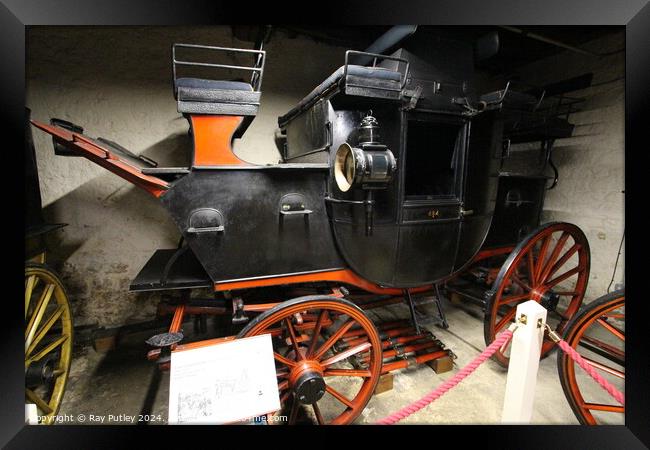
x: 218, y: 110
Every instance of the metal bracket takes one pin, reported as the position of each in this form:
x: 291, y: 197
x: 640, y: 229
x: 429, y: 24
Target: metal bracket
x: 415, y: 96
x: 414, y: 320
x: 238, y: 315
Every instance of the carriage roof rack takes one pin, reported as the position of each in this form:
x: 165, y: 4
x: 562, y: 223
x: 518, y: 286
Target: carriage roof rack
x: 365, y: 81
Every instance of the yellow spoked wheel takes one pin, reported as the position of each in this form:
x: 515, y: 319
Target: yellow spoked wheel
x: 48, y: 340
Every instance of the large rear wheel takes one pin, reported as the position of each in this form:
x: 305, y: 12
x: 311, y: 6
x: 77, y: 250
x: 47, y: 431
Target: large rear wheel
x: 48, y: 340
x: 551, y: 267
x: 598, y: 334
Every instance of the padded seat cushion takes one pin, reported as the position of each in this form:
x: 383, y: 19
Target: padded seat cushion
x: 201, y: 96
x: 375, y: 73
x: 219, y: 85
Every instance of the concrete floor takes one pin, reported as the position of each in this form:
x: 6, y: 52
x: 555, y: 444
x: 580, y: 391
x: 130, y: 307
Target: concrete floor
x: 119, y: 385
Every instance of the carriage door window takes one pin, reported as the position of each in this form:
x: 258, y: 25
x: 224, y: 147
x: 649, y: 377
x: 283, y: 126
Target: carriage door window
x: 432, y: 157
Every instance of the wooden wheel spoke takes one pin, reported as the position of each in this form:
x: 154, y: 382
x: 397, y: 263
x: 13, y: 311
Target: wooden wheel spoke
x: 608, y: 348
x: 44, y: 329
x: 347, y: 373
x: 285, y: 397
x: 294, y: 411
x: 604, y: 368
x: 332, y: 340
x: 616, y: 316
x: 30, y: 284
x: 283, y: 360
x: 317, y: 413
x: 611, y: 328
x: 507, y: 317
x: 40, y: 403
x: 602, y: 407
x: 541, y: 256
x: 567, y: 293
x: 532, y: 271
x: 340, y: 397
x: 514, y: 298
x: 37, y: 315
x: 49, y: 348
x: 562, y: 261
x: 554, y: 254
x: 564, y: 276
x: 292, y: 338
x: 521, y: 283
x: 284, y: 385
x: 346, y: 354
x: 317, y: 328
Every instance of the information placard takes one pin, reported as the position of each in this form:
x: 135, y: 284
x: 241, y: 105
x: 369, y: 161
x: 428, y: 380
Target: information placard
x: 223, y: 383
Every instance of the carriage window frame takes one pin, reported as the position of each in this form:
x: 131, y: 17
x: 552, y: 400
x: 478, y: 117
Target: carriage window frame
x: 460, y: 150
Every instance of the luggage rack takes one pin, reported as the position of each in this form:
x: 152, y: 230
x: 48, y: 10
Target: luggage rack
x: 257, y: 68
x: 357, y: 80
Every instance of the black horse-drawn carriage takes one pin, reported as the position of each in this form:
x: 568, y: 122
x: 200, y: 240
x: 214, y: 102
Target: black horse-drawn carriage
x: 392, y: 174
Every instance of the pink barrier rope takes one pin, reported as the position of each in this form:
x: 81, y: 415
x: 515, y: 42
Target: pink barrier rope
x: 444, y: 387
x: 611, y: 390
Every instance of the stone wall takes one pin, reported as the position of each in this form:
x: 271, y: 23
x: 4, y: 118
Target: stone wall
x: 592, y: 162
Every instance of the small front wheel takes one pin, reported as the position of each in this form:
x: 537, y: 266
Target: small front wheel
x: 328, y: 356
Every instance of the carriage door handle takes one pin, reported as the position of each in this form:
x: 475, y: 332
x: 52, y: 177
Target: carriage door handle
x: 205, y: 220
x: 194, y: 230
x: 294, y: 204
x: 300, y: 211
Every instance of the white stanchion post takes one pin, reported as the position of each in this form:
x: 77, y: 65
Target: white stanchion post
x: 525, y: 350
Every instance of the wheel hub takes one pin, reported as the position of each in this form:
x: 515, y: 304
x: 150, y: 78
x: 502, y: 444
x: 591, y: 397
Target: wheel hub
x: 307, y: 382
x: 41, y: 372
x: 549, y: 300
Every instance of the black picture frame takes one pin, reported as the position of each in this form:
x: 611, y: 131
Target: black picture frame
x: 15, y: 15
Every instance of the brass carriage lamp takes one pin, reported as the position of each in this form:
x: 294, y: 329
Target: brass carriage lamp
x: 369, y: 166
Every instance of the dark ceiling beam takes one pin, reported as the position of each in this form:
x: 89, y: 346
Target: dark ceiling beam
x: 547, y: 40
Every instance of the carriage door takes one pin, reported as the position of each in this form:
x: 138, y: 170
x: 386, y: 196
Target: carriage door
x: 431, y: 168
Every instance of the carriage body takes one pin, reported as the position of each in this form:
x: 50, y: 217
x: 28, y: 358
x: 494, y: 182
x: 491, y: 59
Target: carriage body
x: 436, y: 209
x: 290, y: 221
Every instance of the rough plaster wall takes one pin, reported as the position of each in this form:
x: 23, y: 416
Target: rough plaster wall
x: 116, y: 83
x: 592, y: 162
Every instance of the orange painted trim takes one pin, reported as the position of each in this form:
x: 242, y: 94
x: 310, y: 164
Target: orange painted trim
x: 213, y: 137
x: 177, y: 320
x: 341, y: 276
x: 201, y: 344
x: 490, y: 252
x: 101, y: 156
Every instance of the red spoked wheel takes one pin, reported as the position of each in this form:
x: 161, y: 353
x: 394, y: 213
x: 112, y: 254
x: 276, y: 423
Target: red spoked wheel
x: 550, y: 266
x: 598, y: 334
x: 307, y: 334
